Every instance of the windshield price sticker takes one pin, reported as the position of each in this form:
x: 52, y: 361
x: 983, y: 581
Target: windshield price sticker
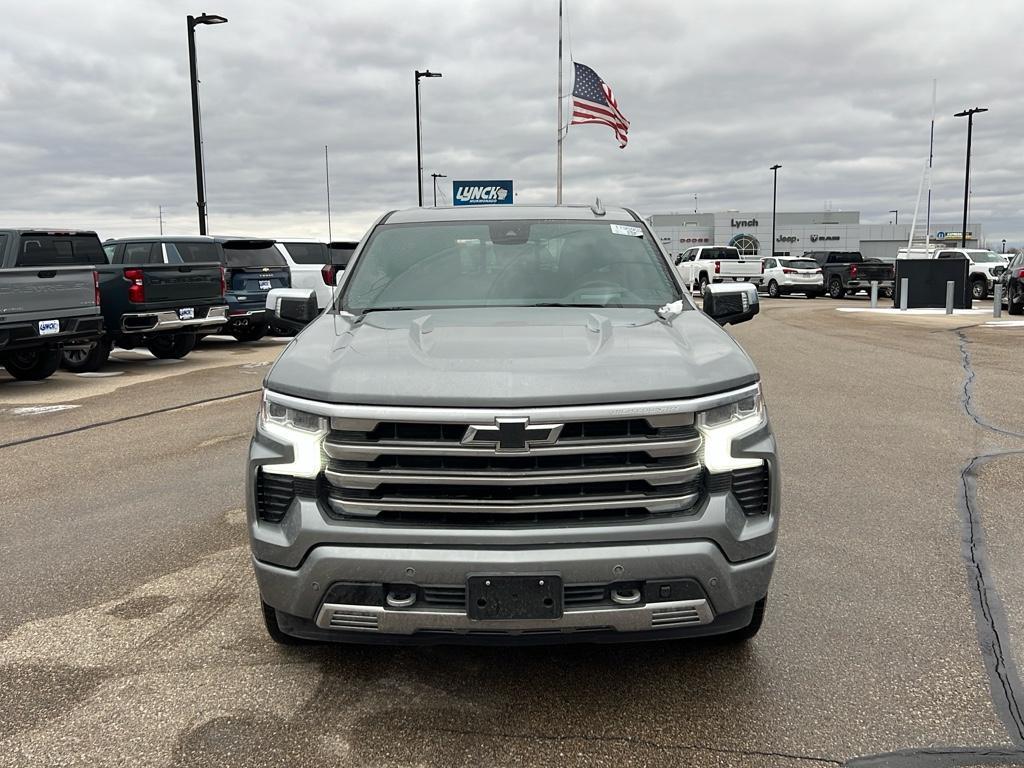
x: 623, y: 229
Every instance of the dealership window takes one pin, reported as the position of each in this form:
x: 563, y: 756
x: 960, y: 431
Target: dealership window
x: 747, y: 245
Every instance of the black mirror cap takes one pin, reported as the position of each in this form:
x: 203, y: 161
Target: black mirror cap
x: 298, y: 310
x: 731, y: 303
x: 292, y: 307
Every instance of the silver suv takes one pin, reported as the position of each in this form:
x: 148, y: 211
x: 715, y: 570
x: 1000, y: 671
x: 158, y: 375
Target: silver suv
x: 513, y: 427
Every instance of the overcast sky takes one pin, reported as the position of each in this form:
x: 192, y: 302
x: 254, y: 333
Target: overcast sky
x: 95, y: 120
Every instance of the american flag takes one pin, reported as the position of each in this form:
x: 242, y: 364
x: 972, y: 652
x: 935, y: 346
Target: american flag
x: 593, y: 102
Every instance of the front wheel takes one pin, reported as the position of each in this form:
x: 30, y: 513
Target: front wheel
x: 31, y: 364
x: 274, y: 629
x: 251, y: 332
x: 746, y: 633
x: 1015, y: 301
x: 773, y: 289
x: 86, y: 359
x: 172, y: 347
x: 979, y: 290
x: 835, y: 288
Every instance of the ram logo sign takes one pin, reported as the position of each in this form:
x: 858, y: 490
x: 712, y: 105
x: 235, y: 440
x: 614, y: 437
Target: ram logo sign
x: 482, y: 192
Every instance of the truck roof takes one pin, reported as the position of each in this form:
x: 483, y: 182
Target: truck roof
x: 506, y: 212
x: 45, y: 231
x: 161, y: 239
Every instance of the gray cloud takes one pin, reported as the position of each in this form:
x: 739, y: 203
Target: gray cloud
x: 96, y: 124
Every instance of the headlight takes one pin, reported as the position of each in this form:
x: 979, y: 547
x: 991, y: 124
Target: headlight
x: 303, y: 431
x: 721, y: 425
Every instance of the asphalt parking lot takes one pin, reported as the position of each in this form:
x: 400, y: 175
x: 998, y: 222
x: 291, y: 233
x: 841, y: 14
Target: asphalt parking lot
x: 895, y: 627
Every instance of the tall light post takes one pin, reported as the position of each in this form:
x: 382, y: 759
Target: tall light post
x: 1004, y: 245
x: 419, y: 149
x: 775, y: 188
x: 435, y: 177
x: 193, y: 21
x: 969, y: 114
x: 896, y: 222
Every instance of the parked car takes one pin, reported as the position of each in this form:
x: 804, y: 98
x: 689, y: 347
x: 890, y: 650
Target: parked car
x: 151, y: 301
x: 251, y: 268
x: 49, y: 298
x: 707, y: 264
x: 514, y: 427
x: 783, y: 276
x: 848, y: 272
x: 306, y: 262
x: 1012, y: 280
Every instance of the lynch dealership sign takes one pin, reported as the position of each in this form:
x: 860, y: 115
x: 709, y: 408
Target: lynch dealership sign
x: 738, y: 223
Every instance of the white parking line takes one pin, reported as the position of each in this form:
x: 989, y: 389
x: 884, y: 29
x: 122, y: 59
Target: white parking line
x: 39, y: 410
x: 895, y: 311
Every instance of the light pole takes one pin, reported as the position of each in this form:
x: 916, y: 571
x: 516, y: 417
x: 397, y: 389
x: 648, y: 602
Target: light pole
x: 419, y: 150
x: 969, y: 114
x: 435, y: 177
x: 1004, y: 245
x: 193, y: 21
x: 896, y: 222
x: 694, y: 202
x: 775, y: 188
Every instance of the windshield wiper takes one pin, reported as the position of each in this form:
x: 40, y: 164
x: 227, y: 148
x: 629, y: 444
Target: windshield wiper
x: 368, y: 310
x: 562, y: 304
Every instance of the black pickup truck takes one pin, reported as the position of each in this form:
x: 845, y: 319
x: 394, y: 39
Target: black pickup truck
x: 49, y: 298
x: 147, y: 303
x: 848, y: 272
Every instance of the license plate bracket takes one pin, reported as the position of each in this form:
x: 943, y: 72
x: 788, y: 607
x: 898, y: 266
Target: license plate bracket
x: 497, y: 597
x: 265, y: 285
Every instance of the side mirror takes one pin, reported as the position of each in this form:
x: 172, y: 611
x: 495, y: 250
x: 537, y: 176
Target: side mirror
x: 678, y: 259
x: 731, y: 303
x: 292, y: 307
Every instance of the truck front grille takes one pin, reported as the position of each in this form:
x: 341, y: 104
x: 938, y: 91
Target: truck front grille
x: 423, y: 472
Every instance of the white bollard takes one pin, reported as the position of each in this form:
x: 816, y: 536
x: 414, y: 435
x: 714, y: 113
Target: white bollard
x: 874, y: 293
x: 997, y: 300
x: 904, y: 290
x: 950, y: 286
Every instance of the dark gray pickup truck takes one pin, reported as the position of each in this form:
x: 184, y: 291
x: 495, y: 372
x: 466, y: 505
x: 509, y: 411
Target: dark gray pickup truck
x: 49, y: 298
x: 148, y: 303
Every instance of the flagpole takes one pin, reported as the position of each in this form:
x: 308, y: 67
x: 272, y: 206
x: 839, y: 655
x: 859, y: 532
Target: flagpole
x: 931, y: 153
x: 558, y: 175
x: 327, y: 178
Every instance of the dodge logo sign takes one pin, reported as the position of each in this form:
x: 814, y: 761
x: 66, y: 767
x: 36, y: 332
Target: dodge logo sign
x: 509, y: 435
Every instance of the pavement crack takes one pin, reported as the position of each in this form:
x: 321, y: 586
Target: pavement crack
x: 951, y: 757
x: 628, y: 740
x: 989, y: 616
x: 130, y: 417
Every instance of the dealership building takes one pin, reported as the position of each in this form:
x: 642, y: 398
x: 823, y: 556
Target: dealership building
x: 795, y: 233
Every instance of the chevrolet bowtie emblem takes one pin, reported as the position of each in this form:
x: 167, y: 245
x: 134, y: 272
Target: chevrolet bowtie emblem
x: 512, y: 435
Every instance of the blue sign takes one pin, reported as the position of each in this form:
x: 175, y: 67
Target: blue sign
x: 940, y: 235
x: 482, y: 192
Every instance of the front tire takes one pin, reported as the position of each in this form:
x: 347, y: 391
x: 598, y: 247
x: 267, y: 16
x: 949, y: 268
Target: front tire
x: 835, y: 288
x: 773, y: 289
x: 748, y: 632
x: 172, y: 347
x: 32, y: 364
x: 86, y: 360
x: 274, y: 629
x: 979, y: 290
x: 702, y: 284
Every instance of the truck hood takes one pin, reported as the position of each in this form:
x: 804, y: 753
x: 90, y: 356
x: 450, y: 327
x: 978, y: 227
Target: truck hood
x: 509, y: 357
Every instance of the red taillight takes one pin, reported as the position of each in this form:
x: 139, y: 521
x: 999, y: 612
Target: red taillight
x: 136, y: 291
x: 329, y: 273
x: 96, y: 287
x: 787, y: 271
x: 718, y: 267
x: 223, y: 283
x: 853, y: 270
x: 1020, y: 275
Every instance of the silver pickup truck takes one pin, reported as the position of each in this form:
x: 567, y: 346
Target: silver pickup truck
x: 49, y: 298
x: 512, y: 427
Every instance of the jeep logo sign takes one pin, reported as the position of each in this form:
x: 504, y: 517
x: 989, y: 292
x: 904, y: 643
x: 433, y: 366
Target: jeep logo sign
x: 482, y: 192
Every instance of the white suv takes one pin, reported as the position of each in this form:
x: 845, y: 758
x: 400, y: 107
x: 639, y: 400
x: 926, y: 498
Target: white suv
x: 315, y: 265
x: 792, y: 275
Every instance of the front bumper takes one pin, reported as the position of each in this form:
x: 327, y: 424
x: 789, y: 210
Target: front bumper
x: 148, y: 322
x: 730, y: 591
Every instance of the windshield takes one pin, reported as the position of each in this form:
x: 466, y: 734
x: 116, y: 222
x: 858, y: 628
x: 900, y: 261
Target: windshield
x: 800, y: 264
x: 307, y: 253
x: 252, y: 253
x: 184, y: 252
x: 514, y: 263
x: 986, y: 257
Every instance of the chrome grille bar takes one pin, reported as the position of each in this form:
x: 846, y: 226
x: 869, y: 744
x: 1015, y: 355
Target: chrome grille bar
x: 357, y: 451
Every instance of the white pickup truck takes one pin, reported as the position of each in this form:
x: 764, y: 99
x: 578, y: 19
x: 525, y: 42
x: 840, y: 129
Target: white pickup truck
x: 706, y: 264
